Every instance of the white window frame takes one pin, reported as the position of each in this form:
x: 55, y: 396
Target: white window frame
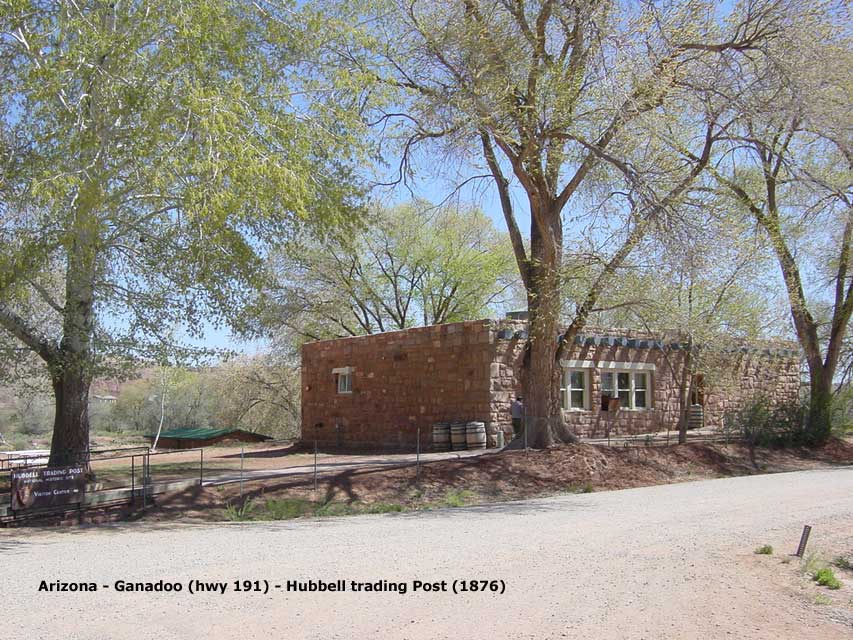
x: 612, y: 390
x: 344, y: 383
x: 632, y: 388
x: 344, y: 379
x: 614, y: 367
x: 566, y: 389
x: 646, y: 389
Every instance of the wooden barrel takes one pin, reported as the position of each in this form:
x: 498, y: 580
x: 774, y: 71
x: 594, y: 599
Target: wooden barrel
x: 441, y: 436
x: 695, y: 417
x: 475, y: 434
x: 457, y: 436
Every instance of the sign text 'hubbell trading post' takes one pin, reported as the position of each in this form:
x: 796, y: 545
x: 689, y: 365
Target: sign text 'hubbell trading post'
x: 196, y: 586
x: 33, y: 488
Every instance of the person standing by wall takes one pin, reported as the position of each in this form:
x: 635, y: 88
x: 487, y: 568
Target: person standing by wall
x: 517, y: 410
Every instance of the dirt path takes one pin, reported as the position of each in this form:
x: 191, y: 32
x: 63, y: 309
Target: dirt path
x: 672, y: 561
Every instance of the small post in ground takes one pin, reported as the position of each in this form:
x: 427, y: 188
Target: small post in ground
x: 804, y: 540
x: 418, y: 458
x: 241, y: 473
x: 316, y: 427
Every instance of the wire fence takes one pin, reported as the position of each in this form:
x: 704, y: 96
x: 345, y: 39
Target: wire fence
x: 126, y: 475
x: 610, y: 433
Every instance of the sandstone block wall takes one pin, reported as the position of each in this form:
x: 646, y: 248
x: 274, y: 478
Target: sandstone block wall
x: 401, y: 380
x: 472, y: 371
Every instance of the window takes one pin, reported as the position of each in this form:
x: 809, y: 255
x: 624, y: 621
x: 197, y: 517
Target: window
x: 608, y: 390
x: 343, y: 376
x: 623, y: 380
x: 344, y: 383
x: 631, y: 383
x: 573, y: 389
x: 631, y: 387
x: 640, y: 390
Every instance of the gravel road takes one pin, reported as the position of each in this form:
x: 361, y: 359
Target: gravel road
x: 661, y: 562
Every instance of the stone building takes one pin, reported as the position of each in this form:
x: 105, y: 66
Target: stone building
x: 375, y: 391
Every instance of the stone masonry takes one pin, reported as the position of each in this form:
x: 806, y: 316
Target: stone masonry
x: 403, y: 380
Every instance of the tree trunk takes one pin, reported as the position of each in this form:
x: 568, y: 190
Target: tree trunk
x: 73, y: 367
x: 685, y: 392
x: 544, y: 424
x: 819, y: 422
x: 70, y: 442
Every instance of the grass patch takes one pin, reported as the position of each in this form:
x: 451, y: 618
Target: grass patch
x: 843, y: 563
x: 812, y: 563
x: 239, y: 512
x: 764, y: 550
x: 822, y: 599
x: 287, y: 509
x: 383, y: 507
x: 457, y: 498
x: 826, y: 578
x: 586, y: 487
x: 290, y: 508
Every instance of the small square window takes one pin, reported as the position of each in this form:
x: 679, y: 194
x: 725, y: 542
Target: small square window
x: 344, y: 383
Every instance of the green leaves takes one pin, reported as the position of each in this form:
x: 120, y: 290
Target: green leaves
x: 174, y: 143
x: 414, y: 264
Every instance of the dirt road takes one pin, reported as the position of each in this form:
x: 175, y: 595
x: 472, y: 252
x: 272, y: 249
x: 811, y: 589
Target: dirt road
x: 672, y: 561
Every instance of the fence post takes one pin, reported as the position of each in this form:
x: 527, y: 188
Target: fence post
x: 315, y: 461
x: 201, y: 467
x: 133, y: 480
x: 241, y: 474
x: 418, y: 458
x: 145, y: 467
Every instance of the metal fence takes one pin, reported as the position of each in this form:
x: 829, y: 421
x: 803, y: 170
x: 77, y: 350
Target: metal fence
x: 611, y: 436
x: 129, y: 476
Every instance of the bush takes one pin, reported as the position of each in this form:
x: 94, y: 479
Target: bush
x: 765, y: 424
x: 457, y: 498
x: 841, y: 412
x: 18, y: 442
x: 826, y: 578
x: 286, y: 509
x: 241, y: 512
x: 764, y: 550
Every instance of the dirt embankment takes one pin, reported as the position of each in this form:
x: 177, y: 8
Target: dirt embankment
x: 501, y: 476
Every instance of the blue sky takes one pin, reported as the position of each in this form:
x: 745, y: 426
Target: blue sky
x: 431, y: 187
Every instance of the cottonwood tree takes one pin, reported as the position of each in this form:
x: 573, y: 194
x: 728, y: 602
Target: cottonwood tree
x: 703, y: 289
x: 790, y: 169
x: 259, y: 393
x: 149, y: 153
x: 413, y: 264
x: 552, y: 100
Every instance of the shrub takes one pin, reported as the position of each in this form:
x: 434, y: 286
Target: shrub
x: 765, y: 424
x: 241, y: 512
x: 826, y: 578
x: 286, y: 509
x: 843, y: 563
x: 764, y: 550
x: 383, y: 507
x: 457, y: 498
x: 811, y: 563
x: 841, y: 412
